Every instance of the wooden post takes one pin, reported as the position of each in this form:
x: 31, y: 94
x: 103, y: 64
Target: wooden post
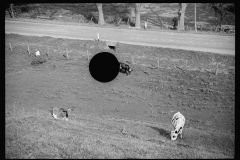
x: 216, y: 71
x: 10, y: 46
x: 48, y: 50
x: 145, y: 25
x: 158, y: 62
x: 67, y: 53
x: 87, y: 55
x: 185, y: 64
x: 14, y: 108
x: 29, y: 50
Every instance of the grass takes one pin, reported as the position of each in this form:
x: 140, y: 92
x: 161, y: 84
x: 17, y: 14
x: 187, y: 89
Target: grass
x: 32, y: 134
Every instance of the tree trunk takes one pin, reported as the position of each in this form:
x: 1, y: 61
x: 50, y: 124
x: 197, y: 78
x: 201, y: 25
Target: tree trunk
x: 181, y: 15
x: 132, y: 15
x: 11, y: 10
x: 137, y: 13
x: 195, y: 17
x: 100, y: 11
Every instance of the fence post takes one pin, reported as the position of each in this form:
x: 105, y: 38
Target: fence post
x: 216, y: 71
x: 67, y: 53
x: 87, y: 55
x: 29, y: 50
x: 132, y: 60
x: 158, y: 62
x: 10, y: 46
x: 14, y: 108
x: 185, y: 64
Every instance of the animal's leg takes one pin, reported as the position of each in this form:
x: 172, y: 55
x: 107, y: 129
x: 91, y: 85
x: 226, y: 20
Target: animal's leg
x: 180, y: 132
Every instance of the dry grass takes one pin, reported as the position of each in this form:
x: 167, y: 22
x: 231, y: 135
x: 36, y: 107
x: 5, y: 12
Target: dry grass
x: 32, y: 134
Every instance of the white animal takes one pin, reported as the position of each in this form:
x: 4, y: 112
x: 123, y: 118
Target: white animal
x: 178, y: 121
x: 37, y: 53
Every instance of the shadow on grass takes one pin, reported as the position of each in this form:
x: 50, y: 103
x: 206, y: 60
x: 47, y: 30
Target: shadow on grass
x: 162, y: 132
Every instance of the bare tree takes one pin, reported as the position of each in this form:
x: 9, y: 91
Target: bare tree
x: 137, y: 13
x: 181, y: 15
x: 222, y: 10
x: 11, y: 10
x: 100, y: 11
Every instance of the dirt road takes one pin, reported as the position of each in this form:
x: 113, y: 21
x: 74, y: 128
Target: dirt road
x: 186, y: 41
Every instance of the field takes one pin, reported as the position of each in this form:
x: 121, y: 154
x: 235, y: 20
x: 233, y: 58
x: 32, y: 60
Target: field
x: 129, y: 117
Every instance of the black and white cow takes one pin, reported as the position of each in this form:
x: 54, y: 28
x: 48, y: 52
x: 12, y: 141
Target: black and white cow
x: 124, y: 68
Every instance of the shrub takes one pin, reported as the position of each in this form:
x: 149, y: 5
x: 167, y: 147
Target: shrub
x: 24, y: 9
x: 175, y: 22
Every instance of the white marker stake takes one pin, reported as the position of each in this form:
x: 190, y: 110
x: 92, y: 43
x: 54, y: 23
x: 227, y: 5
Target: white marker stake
x: 10, y: 46
x: 98, y: 36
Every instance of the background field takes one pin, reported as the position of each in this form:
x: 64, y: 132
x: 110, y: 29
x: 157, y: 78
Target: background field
x: 129, y: 117
x: 157, y: 15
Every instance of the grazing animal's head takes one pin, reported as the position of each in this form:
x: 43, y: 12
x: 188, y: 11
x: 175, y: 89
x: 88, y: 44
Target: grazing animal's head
x: 174, y: 135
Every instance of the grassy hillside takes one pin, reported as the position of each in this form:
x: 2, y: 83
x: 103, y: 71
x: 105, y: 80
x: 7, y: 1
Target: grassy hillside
x: 34, y: 134
x: 129, y: 117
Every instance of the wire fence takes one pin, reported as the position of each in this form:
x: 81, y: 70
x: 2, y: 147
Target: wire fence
x: 149, y: 61
x: 31, y: 48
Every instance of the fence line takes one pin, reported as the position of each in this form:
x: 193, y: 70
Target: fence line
x: 215, y: 71
x: 66, y: 50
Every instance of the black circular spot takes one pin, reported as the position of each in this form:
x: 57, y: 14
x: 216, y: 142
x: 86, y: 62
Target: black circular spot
x: 104, y: 67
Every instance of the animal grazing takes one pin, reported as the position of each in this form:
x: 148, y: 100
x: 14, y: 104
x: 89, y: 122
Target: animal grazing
x: 178, y: 121
x: 112, y: 47
x: 124, y: 68
x: 60, y: 113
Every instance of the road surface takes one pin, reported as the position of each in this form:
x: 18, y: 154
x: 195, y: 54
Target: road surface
x: 196, y: 42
